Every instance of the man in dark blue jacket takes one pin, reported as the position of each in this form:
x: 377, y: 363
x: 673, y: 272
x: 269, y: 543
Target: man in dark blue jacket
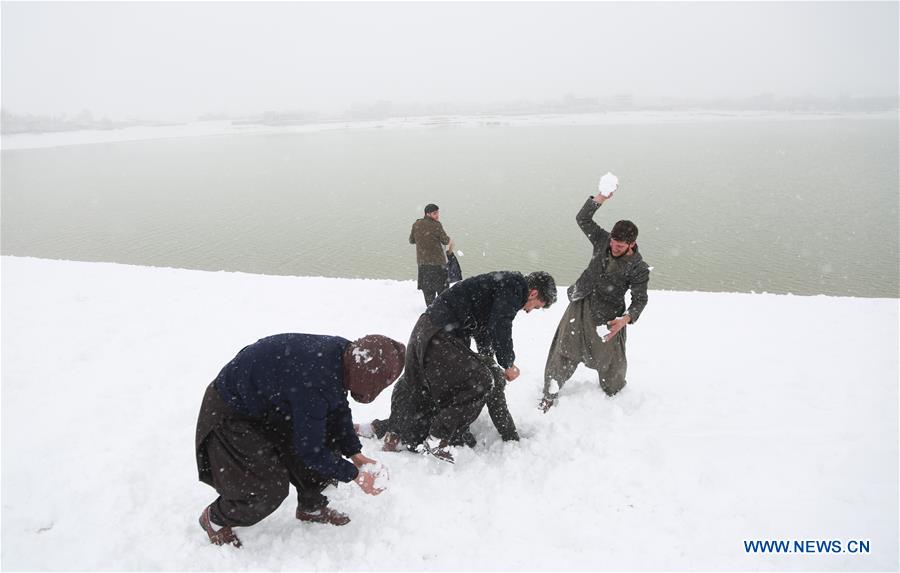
x: 278, y: 414
x: 446, y: 384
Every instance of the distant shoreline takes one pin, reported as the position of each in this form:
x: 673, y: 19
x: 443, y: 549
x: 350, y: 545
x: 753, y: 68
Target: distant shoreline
x: 21, y: 141
x: 28, y: 259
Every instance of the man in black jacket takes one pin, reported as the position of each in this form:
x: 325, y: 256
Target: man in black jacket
x: 446, y: 384
x: 597, y: 301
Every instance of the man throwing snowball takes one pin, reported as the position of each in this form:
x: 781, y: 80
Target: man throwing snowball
x: 592, y: 329
x: 278, y: 414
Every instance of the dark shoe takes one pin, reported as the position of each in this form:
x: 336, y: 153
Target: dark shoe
x: 439, y: 449
x: 380, y: 428
x: 547, y: 403
x: 221, y: 536
x: 323, y: 515
x: 464, y: 439
x: 392, y: 442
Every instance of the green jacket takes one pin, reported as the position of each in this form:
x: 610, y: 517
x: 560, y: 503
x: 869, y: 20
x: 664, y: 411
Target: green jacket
x: 607, y: 278
x: 429, y: 238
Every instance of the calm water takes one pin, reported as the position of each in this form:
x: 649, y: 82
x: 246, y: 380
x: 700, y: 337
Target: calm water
x: 801, y: 206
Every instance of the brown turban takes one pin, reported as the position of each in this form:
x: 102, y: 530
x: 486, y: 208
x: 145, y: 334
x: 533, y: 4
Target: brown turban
x: 371, y: 364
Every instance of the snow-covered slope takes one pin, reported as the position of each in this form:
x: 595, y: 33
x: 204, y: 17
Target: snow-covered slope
x: 746, y: 417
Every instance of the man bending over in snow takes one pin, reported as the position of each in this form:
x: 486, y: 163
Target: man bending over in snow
x: 277, y: 414
x: 597, y: 300
x: 446, y: 384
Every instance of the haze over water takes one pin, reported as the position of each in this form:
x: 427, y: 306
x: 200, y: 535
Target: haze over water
x: 806, y: 206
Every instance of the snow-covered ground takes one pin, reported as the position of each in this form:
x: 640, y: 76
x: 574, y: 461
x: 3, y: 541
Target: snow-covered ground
x: 227, y: 127
x: 746, y: 417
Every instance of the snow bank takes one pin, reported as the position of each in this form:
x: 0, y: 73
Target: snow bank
x: 746, y: 417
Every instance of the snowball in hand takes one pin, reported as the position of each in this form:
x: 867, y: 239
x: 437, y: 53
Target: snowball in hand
x: 602, y: 332
x: 382, y: 477
x: 608, y: 184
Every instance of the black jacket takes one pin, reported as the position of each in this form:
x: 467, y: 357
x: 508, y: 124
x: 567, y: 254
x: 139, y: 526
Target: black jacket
x: 607, y: 278
x: 483, y: 307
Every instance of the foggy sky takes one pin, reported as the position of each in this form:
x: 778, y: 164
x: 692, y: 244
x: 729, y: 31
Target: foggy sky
x: 173, y: 59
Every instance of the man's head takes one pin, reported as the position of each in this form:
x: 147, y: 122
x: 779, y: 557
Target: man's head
x: 623, y: 238
x: 371, y: 364
x: 541, y: 291
x: 431, y: 210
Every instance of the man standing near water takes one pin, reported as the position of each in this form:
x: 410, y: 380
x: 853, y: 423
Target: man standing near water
x: 428, y: 236
x: 592, y: 329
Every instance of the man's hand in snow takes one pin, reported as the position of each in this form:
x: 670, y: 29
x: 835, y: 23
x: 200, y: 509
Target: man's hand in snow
x: 369, y: 472
x: 511, y: 373
x: 366, y: 482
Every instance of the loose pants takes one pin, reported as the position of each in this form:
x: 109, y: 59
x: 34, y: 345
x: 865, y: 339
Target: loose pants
x: 444, y: 388
x: 432, y: 281
x: 576, y: 341
x: 251, y: 464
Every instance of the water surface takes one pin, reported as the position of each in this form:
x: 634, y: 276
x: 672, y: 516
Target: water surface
x: 802, y: 206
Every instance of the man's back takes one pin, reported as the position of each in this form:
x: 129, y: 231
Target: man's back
x: 283, y: 370
x: 483, y: 307
x: 295, y: 381
x: 429, y: 238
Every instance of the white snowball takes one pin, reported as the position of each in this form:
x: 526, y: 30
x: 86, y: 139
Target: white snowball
x: 608, y: 184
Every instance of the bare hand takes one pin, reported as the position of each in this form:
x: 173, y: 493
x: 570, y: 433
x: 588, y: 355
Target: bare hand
x: 599, y: 198
x: 616, y: 325
x: 360, y: 460
x: 511, y: 373
x: 366, y: 482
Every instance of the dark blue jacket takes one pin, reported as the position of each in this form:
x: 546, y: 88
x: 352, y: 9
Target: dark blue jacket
x: 483, y: 307
x: 300, y: 376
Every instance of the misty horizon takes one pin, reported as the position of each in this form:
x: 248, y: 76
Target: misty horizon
x: 180, y: 61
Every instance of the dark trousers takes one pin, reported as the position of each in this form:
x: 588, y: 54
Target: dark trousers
x: 459, y: 383
x: 432, y: 281
x: 251, y: 464
x: 576, y: 341
x: 443, y: 390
